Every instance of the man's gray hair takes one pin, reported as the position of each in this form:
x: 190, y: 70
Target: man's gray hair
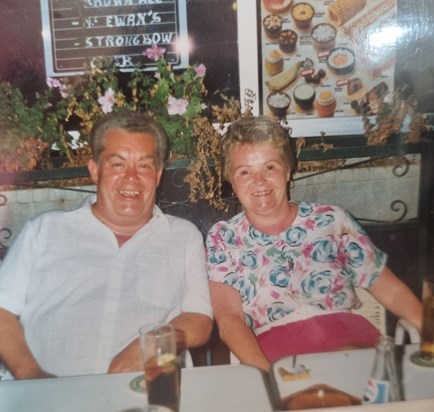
x: 129, y: 121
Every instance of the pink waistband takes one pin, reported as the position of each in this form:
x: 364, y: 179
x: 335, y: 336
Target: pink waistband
x: 301, y: 313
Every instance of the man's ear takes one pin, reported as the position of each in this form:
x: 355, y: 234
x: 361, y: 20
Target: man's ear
x: 159, y: 174
x: 93, y: 170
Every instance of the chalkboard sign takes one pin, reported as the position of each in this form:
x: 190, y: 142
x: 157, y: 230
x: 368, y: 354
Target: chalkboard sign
x: 77, y: 31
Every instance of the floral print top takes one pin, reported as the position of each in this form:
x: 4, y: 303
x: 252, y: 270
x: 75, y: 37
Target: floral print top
x: 317, y: 261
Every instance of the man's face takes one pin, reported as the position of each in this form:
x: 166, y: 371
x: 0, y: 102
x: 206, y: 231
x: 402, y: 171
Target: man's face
x: 127, y: 177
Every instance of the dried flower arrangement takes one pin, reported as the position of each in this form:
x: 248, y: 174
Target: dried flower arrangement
x: 175, y: 98
x: 393, y: 108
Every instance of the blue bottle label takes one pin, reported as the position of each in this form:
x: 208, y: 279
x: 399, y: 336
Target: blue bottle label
x: 376, y: 391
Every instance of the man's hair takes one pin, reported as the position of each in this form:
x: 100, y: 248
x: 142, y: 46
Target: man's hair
x: 129, y: 121
x: 259, y: 129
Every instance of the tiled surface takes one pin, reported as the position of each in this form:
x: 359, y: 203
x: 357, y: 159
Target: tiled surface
x: 22, y: 205
x: 367, y: 192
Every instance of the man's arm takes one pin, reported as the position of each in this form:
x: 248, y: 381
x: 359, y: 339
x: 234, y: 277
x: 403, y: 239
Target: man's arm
x: 14, y: 352
x: 193, y: 329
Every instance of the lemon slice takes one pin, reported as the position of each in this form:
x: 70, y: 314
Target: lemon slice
x: 163, y: 360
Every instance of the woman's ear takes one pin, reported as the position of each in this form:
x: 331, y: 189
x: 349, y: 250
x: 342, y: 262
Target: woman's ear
x: 93, y: 170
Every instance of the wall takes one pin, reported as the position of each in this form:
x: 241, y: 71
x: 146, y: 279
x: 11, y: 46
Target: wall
x: 367, y: 192
x: 23, y: 204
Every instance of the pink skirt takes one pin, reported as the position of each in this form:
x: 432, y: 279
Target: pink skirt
x: 322, y: 333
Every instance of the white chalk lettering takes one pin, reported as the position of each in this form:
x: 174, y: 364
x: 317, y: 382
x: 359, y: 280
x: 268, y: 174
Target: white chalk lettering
x: 123, y: 61
x: 114, y: 41
x: 158, y: 38
x: 112, y: 3
x: 132, y: 20
x: 109, y: 3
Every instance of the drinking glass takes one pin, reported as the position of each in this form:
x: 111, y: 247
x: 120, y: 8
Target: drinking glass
x: 161, y: 368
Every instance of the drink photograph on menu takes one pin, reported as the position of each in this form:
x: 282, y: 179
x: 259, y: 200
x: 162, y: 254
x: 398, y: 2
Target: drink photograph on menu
x: 322, y: 59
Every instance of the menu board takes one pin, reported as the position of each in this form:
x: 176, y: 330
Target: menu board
x: 325, y: 58
x: 77, y: 31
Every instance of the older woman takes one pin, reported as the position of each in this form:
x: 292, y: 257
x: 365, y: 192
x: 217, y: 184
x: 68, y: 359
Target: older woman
x: 282, y: 274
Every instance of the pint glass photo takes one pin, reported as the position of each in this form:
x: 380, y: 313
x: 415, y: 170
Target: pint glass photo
x: 427, y: 338
x: 158, y: 346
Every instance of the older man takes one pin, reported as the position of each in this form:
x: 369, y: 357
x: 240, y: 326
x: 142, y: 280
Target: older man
x: 76, y: 285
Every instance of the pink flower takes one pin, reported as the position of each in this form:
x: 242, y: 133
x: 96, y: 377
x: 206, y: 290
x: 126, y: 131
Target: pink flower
x: 200, y: 70
x: 56, y: 84
x: 53, y: 83
x: 107, y: 101
x: 154, y: 52
x: 177, y: 106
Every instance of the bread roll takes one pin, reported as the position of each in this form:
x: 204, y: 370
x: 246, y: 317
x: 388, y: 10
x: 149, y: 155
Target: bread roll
x: 343, y: 10
x: 294, y: 376
x: 318, y: 396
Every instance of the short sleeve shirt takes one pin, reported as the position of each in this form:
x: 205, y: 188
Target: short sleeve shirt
x: 81, y: 298
x: 317, y: 261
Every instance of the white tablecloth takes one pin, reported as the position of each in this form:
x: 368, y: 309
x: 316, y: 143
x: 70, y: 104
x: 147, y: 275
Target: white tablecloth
x: 224, y: 388
x: 349, y: 372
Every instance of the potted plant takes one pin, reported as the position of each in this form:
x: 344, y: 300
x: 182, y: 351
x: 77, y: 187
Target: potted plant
x: 175, y: 98
x: 27, y: 130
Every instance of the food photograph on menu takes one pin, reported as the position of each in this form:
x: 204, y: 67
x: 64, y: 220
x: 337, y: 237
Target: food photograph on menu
x: 322, y: 58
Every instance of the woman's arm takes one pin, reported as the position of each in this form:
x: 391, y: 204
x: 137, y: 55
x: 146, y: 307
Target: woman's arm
x: 234, y: 332
x: 397, y: 297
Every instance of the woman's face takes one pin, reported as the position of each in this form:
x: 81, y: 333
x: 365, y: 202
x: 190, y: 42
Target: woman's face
x: 259, y: 178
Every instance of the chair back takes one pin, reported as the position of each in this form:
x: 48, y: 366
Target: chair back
x: 371, y: 309
x: 375, y: 313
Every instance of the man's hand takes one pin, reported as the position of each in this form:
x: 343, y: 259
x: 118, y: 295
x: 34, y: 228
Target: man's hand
x: 192, y: 329
x: 37, y: 374
x: 128, y: 360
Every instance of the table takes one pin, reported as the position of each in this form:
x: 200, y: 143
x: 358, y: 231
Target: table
x: 421, y: 405
x: 349, y: 372
x: 226, y: 388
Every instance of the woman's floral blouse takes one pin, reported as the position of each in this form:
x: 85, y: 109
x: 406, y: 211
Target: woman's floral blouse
x: 317, y: 261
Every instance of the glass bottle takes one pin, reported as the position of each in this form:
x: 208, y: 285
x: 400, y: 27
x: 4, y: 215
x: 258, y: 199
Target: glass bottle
x: 383, y: 385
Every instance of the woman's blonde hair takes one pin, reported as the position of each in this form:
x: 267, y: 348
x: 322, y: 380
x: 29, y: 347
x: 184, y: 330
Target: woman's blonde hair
x: 259, y: 129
